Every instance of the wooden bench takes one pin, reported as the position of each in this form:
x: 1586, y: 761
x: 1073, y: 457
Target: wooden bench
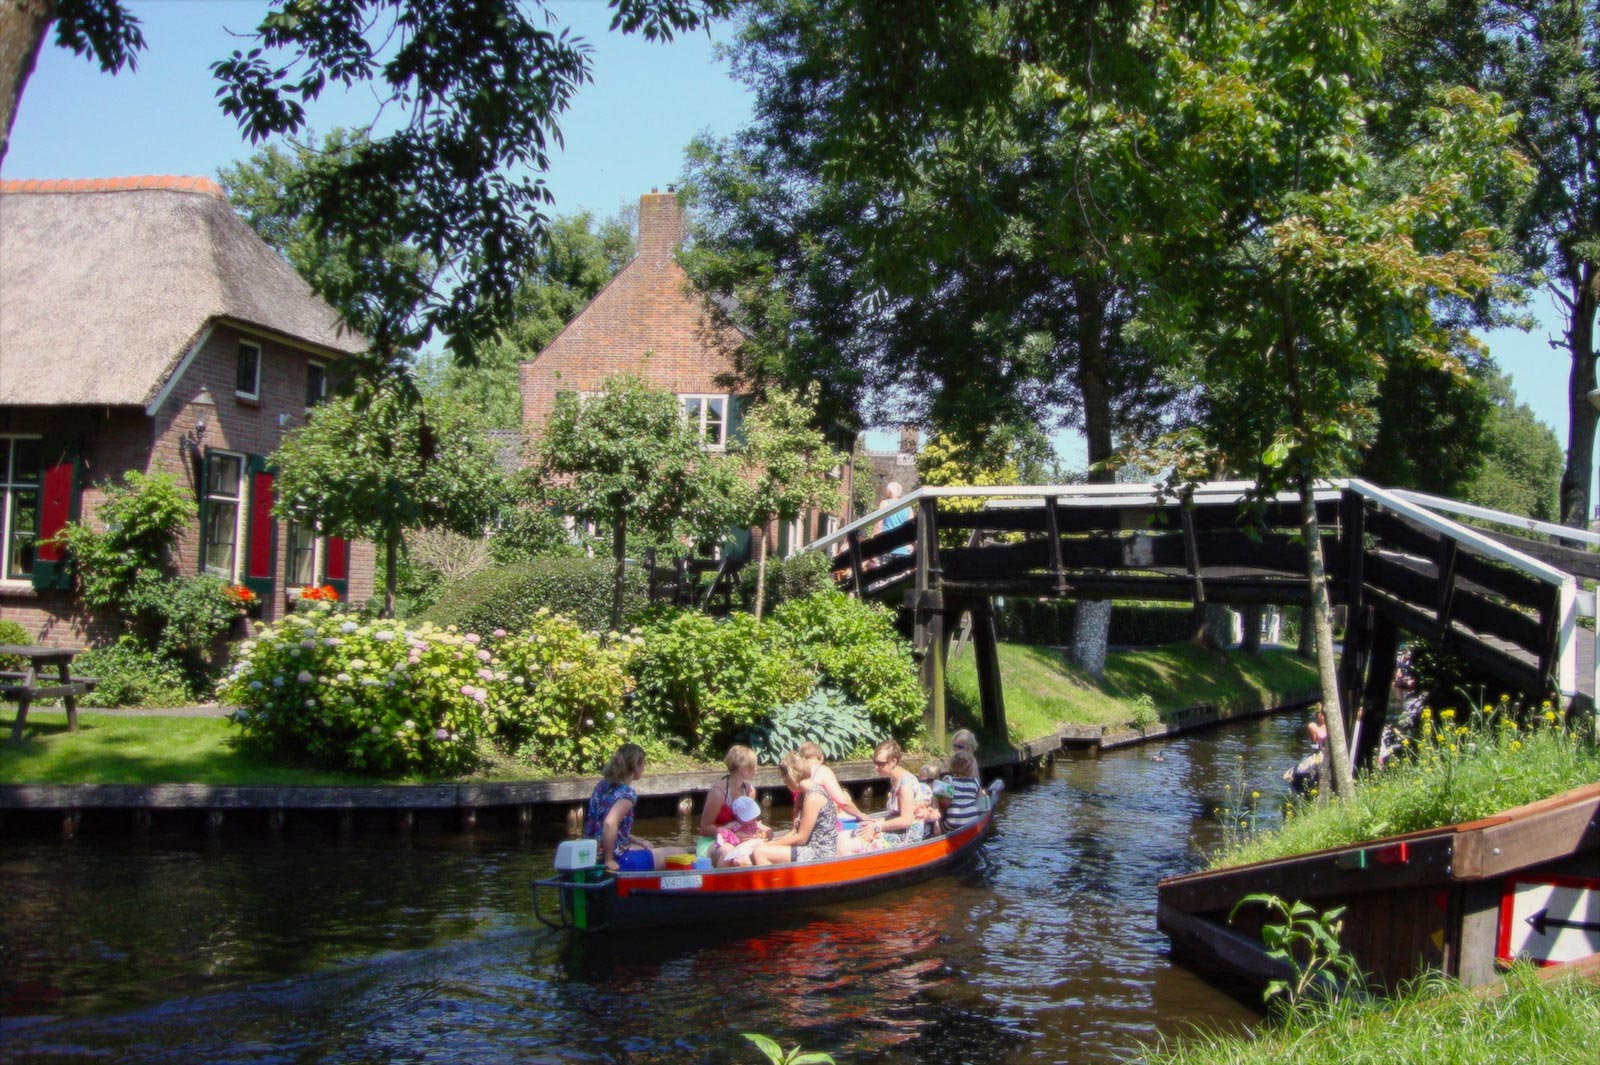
x: 25, y: 686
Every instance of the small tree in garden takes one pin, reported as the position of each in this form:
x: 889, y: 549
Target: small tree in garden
x: 377, y: 463
x: 789, y: 465
x: 625, y: 458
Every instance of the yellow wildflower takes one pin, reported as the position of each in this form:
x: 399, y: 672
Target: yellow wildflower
x: 1448, y: 713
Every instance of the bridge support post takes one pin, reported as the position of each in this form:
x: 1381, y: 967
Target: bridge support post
x: 986, y: 657
x: 930, y: 637
x: 1383, y: 654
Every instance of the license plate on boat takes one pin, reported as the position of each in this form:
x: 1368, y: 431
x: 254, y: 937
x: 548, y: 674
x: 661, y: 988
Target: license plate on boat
x: 679, y: 883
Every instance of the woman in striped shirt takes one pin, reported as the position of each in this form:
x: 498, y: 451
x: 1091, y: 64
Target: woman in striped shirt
x: 966, y: 792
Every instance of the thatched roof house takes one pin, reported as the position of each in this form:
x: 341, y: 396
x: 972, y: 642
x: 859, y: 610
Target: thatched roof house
x: 144, y: 326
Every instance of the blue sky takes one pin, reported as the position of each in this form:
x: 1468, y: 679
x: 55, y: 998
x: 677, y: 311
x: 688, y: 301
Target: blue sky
x: 624, y: 134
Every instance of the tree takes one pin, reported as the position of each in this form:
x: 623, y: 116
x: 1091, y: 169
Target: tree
x: 474, y: 89
x: 1541, y: 57
x: 625, y: 458
x: 578, y: 259
x: 1521, y: 471
x: 1303, y: 261
x: 789, y: 466
x: 377, y: 463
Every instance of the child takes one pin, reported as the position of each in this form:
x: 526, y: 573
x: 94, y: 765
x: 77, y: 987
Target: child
x: 737, y: 839
x: 964, y: 740
x: 928, y: 786
x: 966, y: 792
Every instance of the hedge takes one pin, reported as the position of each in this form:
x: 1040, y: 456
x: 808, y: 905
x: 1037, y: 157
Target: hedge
x: 509, y: 597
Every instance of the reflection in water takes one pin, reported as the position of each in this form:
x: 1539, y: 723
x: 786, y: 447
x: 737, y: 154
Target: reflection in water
x: 422, y: 950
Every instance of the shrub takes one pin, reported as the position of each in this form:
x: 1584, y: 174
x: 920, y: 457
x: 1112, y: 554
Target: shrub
x: 530, y: 532
x: 852, y: 646
x: 132, y: 675
x: 510, y: 597
x: 706, y: 679
x: 326, y: 688
x: 840, y: 727
x: 787, y: 578
x: 197, y: 611
x: 556, y: 693
x: 13, y: 633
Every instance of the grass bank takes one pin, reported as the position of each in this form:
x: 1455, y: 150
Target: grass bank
x: 1139, y: 687
x: 1451, y: 772
x: 1550, y: 1021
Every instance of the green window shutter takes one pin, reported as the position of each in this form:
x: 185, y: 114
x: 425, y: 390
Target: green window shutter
x: 60, y: 496
x: 736, y: 406
x: 202, y: 483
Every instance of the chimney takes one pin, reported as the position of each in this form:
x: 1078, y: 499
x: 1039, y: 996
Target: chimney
x: 910, y: 439
x: 660, y: 225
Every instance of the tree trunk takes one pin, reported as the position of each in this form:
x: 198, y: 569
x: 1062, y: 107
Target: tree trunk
x: 1581, y: 413
x: 761, y: 570
x: 1091, y: 621
x: 391, y: 571
x: 619, y: 556
x: 1306, y: 647
x: 1337, y: 749
x: 23, y: 24
x: 1250, y: 623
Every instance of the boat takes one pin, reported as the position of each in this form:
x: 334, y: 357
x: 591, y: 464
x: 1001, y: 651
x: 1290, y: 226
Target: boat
x: 592, y: 900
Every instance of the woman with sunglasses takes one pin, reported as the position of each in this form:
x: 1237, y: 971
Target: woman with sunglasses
x: 902, y: 826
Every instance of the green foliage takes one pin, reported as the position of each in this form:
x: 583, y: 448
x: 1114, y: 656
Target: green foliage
x: 125, y: 569
x: 789, y: 578
x: 775, y: 1054
x: 324, y: 689
x: 705, y: 679
x: 197, y: 612
x: 12, y: 632
x: 483, y: 84
x: 852, y: 646
x: 378, y: 462
x: 625, y: 458
x: 510, y: 597
x: 1307, y: 942
x: 1521, y: 468
x: 826, y: 717
x: 557, y: 693
x: 131, y: 674
x: 530, y: 532
x: 1452, y: 772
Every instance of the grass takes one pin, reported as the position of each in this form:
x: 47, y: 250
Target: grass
x: 1552, y: 1022
x: 1042, y: 692
x: 1455, y: 772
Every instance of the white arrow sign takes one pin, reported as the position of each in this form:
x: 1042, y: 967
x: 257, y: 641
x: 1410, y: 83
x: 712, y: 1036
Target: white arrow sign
x: 1550, y: 920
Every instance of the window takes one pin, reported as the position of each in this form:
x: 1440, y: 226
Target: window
x: 302, y: 566
x: 247, y: 379
x: 709, y: 415
x: 219, y: 549
x: 20, y: 461
x: 316, y: 384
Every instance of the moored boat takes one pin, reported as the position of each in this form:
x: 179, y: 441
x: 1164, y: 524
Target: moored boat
x: 591, y: 900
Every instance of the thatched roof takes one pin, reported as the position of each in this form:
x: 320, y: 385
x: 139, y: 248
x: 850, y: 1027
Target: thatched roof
x: 106, y: 283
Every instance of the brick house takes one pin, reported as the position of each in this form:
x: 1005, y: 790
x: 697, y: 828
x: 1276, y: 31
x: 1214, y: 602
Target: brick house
x: 144, y: 326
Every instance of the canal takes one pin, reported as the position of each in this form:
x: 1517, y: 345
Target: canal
x: 422, y: 948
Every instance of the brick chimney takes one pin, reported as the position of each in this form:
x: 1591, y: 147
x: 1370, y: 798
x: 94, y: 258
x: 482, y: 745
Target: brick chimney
x: 660, y: 225
x: 910, y: 439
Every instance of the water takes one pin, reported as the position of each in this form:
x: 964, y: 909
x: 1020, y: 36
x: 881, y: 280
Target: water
x: 424, y: 949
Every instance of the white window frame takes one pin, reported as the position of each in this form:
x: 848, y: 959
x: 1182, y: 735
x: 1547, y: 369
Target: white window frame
x: 7, y: 514
x: 321, y: 397
x: 255, y: 393
x: 704, y: 399
x: 241, y: 510
x: 318, y: 541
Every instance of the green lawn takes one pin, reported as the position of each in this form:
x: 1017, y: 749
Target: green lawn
x: 1042, y: 692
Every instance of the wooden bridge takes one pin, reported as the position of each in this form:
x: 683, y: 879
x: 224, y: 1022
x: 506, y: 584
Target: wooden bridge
x: 1508, y: 602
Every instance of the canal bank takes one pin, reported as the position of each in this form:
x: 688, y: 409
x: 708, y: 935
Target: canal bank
x: 111, y: 808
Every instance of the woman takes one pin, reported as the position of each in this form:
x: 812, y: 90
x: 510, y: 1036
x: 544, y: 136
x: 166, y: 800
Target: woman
x: 902, y: 826
x: 816, y: 831
x: 824, y: 776
x: 609, y: 816
x: 718, y: 810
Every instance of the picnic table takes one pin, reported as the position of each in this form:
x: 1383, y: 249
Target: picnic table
x: 27, y: 685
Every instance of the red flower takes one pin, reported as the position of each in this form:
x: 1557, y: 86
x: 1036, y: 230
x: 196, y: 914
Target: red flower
x: 324, y: 593
x: 241, y: 595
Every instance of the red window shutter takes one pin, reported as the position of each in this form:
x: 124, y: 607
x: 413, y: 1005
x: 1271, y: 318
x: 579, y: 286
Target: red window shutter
x: 58, y: 503
x: 261, y: 539
x: 338, y: 566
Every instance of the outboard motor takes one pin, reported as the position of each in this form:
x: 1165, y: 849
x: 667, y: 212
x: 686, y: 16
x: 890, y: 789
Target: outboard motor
x: 582, y: 885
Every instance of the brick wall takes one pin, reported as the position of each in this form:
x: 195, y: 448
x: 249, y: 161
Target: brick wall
x: 648, y: 321
x: 118, y: 439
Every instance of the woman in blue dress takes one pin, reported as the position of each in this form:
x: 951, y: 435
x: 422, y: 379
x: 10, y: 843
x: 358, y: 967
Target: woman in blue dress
x: 609, y: 816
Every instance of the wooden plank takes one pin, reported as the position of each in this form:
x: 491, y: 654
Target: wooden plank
x: 1052, y: 532
x: 42, y: 691
x: 1214, y: 945
x: 1321, y: 875
x: 1541, y: 832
